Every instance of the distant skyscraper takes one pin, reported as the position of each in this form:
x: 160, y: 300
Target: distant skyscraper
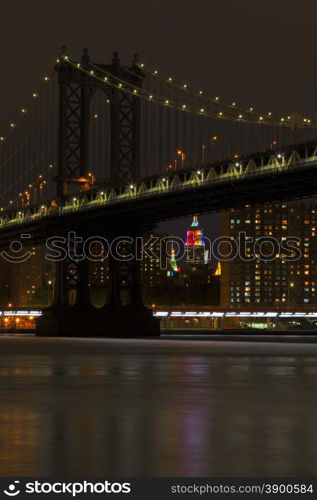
x: 6, y: 282
x: 173, y: 267
x: 197, y: 273
x: 168, y: 280
x: 27, y: 278
x: 152, y: 268
x: 275, y: 281
x: 195, y: 244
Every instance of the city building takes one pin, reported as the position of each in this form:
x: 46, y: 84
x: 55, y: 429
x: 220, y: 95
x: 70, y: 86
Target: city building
x: 171, y: 280
x: 154, y: 265
x: 195, y: 244
x: 201, y: 284
x: 265, y: 273
x: 99, y: 280
x: 173, y: 268
x: 27, y: 280
x: 197, y: 269
x: 6, y: 283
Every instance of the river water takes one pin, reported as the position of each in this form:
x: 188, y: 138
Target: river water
x: 75, y: 408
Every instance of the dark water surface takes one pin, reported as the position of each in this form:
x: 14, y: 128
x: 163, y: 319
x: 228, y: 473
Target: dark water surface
x: 73, y: 407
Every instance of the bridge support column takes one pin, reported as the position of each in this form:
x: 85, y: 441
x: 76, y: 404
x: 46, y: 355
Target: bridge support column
x: 71, y: 314
x: 125, y: 314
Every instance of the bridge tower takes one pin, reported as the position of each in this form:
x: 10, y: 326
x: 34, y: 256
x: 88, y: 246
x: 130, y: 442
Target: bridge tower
x: 77, y: 85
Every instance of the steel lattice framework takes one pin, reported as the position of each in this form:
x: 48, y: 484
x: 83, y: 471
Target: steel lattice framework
x: 184, y: 186
x: 77, y: 88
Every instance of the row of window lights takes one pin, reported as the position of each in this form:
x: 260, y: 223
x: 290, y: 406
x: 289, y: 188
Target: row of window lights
x: 269, y: 300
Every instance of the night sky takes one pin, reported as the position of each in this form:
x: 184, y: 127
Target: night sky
x: 260, y: 54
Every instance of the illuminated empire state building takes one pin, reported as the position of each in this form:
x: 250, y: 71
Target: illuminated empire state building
x: 195, y: 244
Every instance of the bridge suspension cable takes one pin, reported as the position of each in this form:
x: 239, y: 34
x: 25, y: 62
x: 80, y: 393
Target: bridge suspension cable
x: 24, y: 110
x: 41, y: 179
x: 180, y: 129
x: 235, y: 110
x: 26, y: 139
x: 30, y: 147
x: 204, y: 105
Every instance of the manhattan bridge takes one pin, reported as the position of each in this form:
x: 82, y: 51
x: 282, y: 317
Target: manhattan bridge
x: 112, y: 149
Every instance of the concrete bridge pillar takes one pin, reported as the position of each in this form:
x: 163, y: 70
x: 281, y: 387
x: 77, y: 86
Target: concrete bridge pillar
x: 72, y: 313
x: 125, y: 314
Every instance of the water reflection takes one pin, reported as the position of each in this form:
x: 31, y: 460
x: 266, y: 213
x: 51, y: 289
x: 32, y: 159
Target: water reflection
x: 111, y: 408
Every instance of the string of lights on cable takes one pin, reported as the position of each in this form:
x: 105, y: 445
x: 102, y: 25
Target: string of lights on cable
x: 24, y: 110
x: 292, y: 119
x: 231, y: 111
x: 26, y: 196
x: 36, y: 126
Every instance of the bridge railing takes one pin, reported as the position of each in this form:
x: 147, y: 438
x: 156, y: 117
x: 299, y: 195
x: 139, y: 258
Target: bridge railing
x: 163, y: 185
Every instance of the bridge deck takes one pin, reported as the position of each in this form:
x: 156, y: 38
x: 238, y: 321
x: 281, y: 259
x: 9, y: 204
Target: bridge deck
x: 250, y: 180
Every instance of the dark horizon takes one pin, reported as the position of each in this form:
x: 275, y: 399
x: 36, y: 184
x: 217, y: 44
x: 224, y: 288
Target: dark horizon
x: 245, y: 52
